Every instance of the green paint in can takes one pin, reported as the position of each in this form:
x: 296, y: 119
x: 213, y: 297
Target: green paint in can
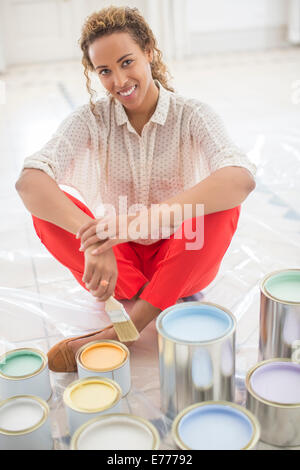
x: 284, y: 286
x: 20, y: 363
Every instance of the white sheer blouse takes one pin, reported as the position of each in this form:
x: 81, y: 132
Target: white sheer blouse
x: 108, y: 162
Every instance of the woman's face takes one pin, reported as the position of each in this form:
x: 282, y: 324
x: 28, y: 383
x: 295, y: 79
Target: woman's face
x: 123, y: 67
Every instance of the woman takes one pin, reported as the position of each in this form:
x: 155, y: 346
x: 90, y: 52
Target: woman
x: 146, y: 144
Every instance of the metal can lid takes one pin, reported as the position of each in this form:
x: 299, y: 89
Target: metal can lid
x: 215, y: 425
x: 22, y: 363
x: 22, y: 414
x: 282, y: 286
x: 197, y: 323
x: 264, y: 380
x: 92, y: 394
x: 118, y: 431
x: 102, y: 356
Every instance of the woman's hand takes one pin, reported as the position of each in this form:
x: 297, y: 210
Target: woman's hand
x: 100, y: 268
x: 142, y: 228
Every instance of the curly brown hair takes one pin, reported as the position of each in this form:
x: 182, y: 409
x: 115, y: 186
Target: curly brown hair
x: 121, y: 19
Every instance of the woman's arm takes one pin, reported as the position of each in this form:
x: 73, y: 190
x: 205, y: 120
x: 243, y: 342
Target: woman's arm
x: 224, y: 189
x: 59, y: 161
x: 43, y: 198
x: 231, y: 173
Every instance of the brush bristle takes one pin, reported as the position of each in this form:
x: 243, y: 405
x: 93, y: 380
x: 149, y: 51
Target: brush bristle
x: 126, y: 331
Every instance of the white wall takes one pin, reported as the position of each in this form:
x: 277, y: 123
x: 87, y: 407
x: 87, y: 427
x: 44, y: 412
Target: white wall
x: 218, y: 25
x: 183, y: 27
x: 2, y: 56
x: 45, y: 30
x: 214, y: 15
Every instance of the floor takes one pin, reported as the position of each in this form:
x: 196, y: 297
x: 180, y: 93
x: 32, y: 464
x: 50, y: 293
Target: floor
x: 258, y: 96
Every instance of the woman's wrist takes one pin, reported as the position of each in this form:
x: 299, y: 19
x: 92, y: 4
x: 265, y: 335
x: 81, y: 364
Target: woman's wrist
x: 92, y: 247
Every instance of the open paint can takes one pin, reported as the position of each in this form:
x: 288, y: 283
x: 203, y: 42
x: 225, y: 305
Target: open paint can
x: 24, y: 424
x: 196, y: 343
x: 88, y: 398
x: 107, y: 358
x: 273, y: 395
x: 215, y: 425
x: 116, y: 432
x: 279, y: 334
x: 24, y: 371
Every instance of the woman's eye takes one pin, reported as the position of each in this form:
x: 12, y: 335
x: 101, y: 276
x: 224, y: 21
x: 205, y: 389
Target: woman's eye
x: 100, y: 73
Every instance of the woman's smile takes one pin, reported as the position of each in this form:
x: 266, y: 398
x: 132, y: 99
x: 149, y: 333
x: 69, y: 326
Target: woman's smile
x: 129, y: 94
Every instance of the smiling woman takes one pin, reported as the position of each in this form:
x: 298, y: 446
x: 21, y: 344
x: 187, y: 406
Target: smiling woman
x: 141, y: 150
x: 134, y: 38
x: 129, y: 81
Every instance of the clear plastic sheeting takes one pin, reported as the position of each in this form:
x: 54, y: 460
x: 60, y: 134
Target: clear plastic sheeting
x: 267, y: 239
x: 41, y: 303
x: 19, y: 308
x: 57, y: 307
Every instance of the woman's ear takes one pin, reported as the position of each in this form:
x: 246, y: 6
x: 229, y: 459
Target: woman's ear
x: 149, y: 54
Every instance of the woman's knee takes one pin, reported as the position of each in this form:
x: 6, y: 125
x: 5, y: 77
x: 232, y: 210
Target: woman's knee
x: 207, y: 237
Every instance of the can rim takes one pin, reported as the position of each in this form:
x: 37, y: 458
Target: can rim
x: 258, y: 397
x: 43, y: 404
x: 27, y: 376
x: 148, y: 424
x: 270, y: 296
x: 195, y: 343
x: 112, y: 383
x: 254, y: 421
x: 84, y: 346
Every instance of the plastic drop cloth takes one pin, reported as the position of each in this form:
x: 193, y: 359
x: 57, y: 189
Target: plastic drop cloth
x: 267, y: 239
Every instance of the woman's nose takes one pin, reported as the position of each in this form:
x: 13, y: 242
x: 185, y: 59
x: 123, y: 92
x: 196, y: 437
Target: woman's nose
x: 120, y: 80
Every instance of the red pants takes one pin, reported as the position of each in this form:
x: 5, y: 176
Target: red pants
x: 172, y: 271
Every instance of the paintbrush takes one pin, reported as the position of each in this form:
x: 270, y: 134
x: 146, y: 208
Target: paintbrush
x: 122, y: 323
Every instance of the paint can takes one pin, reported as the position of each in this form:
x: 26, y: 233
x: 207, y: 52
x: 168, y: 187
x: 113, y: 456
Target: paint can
x: 107, y: 358
x: 279, y: 334
x: 87, y: 398
x: 24, y: 424
x: 24, y: 371
x: 273, y: 396
x: 116, y: 431
x: 196, y: 342
x: 215, y: 425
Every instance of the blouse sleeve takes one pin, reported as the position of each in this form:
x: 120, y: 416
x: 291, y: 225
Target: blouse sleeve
x: 216, y: 147
x: 63, y: 154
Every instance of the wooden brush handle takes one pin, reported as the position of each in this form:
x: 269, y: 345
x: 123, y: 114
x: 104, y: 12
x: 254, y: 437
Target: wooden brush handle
x: 112, y: 304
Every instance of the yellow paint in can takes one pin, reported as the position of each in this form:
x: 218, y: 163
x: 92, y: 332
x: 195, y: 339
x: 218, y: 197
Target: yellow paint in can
x: 92, y: 395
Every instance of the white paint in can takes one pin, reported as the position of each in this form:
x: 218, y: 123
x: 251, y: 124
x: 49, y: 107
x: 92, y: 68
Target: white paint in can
x: 24, y: 424
x: 20, y: 415
x: 116, y: 432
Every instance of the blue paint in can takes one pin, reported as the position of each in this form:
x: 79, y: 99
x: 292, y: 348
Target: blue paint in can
x: 215, y: 427
x: 197, y: 323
